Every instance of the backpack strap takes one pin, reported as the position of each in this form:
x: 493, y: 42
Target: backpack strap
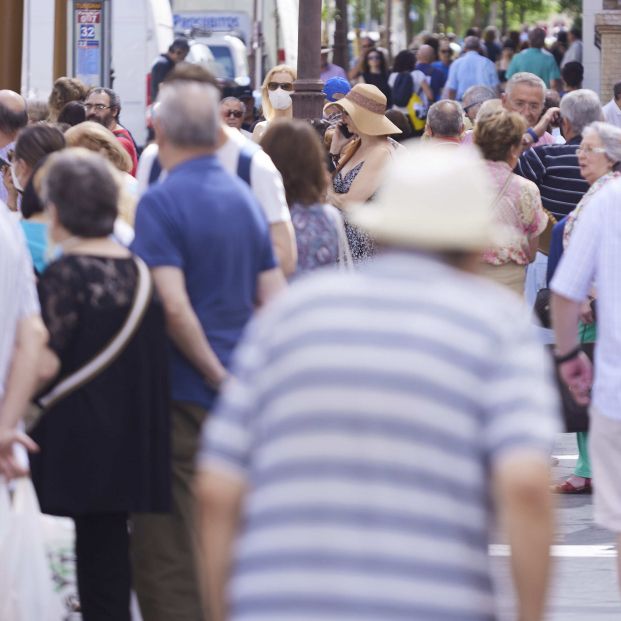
x: 246, y: 154
x: 156, y: 171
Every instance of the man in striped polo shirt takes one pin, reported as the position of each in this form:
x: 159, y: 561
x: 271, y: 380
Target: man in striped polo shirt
x: 375, y: 422
x: 554, y: 168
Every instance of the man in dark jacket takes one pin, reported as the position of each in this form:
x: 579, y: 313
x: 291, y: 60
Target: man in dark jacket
x: 177, y: 52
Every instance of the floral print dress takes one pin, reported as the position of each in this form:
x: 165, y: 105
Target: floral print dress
x: 361, y: 244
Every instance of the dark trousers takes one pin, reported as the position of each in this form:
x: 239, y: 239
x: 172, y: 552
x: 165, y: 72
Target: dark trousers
x: 103, y: 571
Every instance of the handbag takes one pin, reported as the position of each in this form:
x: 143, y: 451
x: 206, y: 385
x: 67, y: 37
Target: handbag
x: 542, y: 307
x: 545, y: 239
x: 112, y: 350
x: 575, y: 416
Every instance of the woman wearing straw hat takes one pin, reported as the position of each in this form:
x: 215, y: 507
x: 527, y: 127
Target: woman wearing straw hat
x: 360, y: 170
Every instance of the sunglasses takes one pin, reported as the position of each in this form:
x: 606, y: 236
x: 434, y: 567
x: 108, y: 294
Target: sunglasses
x: 236, y: 113
x: 286, y: 86
x: 445, y: 51
x: 374, y: 57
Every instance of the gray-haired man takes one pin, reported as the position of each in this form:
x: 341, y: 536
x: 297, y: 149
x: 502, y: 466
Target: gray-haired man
x: 554, y: 168
x: 207, y: 242
x: 445, y: 122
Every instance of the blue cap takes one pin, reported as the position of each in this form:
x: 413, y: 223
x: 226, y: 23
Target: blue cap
x: 336, y: 86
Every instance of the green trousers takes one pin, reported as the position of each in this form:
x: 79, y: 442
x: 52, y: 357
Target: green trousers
x: 164, y: 546
x: 587, y: 334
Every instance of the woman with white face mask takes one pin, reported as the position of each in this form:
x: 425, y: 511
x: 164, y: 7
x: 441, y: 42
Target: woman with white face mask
x: 276, y: 97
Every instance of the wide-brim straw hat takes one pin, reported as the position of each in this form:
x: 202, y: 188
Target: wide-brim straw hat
x: 366, y: 106
x: 433, y: 198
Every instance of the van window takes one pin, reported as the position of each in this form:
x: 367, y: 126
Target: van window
x: 224, y: 58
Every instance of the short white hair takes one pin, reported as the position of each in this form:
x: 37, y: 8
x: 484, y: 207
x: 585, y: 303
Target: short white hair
x: 610, y: 136
x: 528, y: 79
x: 581, y: 108
x: 234, y: 100
x: 189, y: 114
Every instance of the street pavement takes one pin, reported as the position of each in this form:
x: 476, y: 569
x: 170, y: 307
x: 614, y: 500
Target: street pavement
x: 584, y: 585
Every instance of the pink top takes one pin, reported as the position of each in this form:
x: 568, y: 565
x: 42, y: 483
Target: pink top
x: 547, y: 138
x: 518, y: 211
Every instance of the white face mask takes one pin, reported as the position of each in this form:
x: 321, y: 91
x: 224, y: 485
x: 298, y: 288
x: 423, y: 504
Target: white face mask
x: 16, y: 183
x: 280, y: 100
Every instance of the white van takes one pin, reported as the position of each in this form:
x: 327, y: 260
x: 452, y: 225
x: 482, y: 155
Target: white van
x: 231, y: 56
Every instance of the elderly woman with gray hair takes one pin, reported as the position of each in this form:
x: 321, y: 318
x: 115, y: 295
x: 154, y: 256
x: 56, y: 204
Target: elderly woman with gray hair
x: 599, y: 156
x: 104, y: 434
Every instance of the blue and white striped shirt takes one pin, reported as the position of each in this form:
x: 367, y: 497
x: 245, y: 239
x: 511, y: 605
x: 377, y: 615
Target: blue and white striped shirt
x: 367, y: 412
x: 555, y: 171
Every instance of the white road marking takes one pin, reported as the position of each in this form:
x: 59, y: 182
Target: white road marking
x: 568, y: 457
x: 565, y: 551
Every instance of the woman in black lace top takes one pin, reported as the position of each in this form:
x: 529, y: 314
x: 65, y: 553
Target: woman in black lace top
x: 104, y: 447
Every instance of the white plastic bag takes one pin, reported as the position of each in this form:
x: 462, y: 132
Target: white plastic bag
x: 26, y: 587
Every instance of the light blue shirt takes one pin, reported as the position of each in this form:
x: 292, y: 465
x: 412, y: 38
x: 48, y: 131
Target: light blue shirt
x: 471, y: 69
x: 4, y: 154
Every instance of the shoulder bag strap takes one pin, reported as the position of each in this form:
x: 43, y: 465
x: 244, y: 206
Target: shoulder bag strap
x: 105, y: 357
x: 246, y: 154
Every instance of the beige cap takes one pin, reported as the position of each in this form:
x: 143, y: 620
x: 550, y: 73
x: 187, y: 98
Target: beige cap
x: 433, y: 198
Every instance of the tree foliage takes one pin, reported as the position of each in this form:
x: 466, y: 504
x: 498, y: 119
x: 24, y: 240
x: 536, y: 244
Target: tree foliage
x: 458, y: 15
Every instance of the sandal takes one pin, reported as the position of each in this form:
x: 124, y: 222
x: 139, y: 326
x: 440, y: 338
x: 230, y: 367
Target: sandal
x: 568, y: 488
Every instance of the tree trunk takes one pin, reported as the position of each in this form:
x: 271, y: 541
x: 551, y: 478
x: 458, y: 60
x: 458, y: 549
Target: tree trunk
x: 409, y: 29
x: 478, y: 14
x: 341, y: 50
x: 459, y: 18
x: 504, y: 17
x: 388, y: 29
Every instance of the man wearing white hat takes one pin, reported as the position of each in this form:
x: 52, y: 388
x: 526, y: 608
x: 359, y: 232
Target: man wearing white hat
x: 373, y: 418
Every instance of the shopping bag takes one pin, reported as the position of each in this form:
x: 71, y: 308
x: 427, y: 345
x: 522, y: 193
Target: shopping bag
x: 59, y: 535
x: 26, y: 586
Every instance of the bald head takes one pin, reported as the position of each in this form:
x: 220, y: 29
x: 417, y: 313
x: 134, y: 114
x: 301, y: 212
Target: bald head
x: 472, y: 44
x: 445, y: 119
x: 426, y: 54
x: 12, y: 116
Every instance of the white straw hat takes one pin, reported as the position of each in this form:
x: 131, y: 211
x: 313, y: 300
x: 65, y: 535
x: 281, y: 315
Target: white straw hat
x: 433, y: 198
x: 366, y: 105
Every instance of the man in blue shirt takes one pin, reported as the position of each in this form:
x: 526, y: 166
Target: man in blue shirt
x: 424, y: 58
x: 445, y: 54
x: 207, y: 242
x: 471, y: 69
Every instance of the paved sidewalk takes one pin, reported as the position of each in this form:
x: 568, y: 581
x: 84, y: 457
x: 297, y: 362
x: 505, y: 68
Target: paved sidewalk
x: 584, y: 585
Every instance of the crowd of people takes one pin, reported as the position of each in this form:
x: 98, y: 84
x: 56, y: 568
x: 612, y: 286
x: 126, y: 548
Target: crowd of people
x: 278, y: 369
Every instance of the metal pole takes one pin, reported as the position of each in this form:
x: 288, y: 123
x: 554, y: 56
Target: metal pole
x: 60, y: 38
x: 308, y: 98
x: 388, y: 29
x: 11, y: 31
x: 257, y: 44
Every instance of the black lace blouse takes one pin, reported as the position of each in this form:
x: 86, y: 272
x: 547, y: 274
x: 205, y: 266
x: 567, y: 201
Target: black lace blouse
x: 105, y: 447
